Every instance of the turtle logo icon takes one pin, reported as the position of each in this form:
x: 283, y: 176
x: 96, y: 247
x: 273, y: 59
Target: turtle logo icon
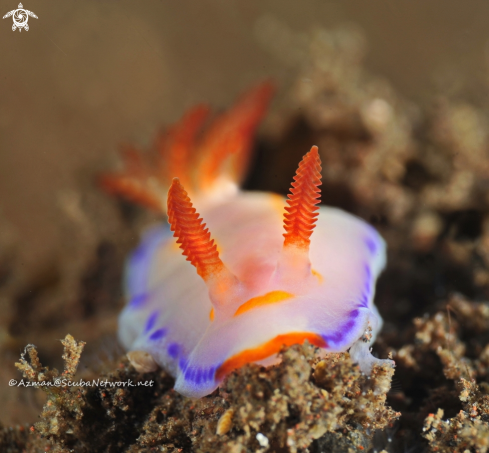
x: 20, y: 17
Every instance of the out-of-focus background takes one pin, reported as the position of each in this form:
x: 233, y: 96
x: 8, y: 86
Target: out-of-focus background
x: 90, y: 76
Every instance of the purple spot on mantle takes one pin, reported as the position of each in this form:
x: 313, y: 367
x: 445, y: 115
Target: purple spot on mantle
x: 368, y: 283
x: 157, y: 334
x: 210, y: 373
x: 334, y: 337
x: 139, y: 300
x: 198, y: 376
x: 183, y: 363
x: 339, y: 335
x: 173, y: 350
x: 367, y: 286
x: 364, y: 301
x: 150, y: 323
x: 371, y: 245
x: 189, y: 374
x: 367, y: 271
x: 138, y: 254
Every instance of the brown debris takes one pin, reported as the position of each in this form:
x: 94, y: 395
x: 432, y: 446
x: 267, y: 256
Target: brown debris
x: 288, y: 406
x: 90, y: 416
x: 468, y: 429
x: 142, y: 361
x: 225, y: 423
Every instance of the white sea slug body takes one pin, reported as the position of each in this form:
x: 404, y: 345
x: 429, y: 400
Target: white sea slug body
x: 257, y: 280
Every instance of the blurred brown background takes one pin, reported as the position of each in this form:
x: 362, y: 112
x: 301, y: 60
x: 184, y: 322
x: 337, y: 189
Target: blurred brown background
x: 90, y: 75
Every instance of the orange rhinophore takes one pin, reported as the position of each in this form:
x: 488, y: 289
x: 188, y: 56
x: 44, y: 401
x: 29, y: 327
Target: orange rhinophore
x: 202, y: 157
x: 301, y: 216
x: 194, y: 238
x: 299, y: 221
x: 195, y: 241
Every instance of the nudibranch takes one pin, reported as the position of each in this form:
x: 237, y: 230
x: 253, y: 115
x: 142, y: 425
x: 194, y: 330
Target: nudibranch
x: 261, y: 272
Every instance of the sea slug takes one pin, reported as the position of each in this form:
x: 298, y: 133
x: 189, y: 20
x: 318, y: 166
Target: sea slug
x: 261, y: 272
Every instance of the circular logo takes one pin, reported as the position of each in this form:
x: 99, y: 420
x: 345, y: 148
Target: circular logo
x: 20, y: 18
